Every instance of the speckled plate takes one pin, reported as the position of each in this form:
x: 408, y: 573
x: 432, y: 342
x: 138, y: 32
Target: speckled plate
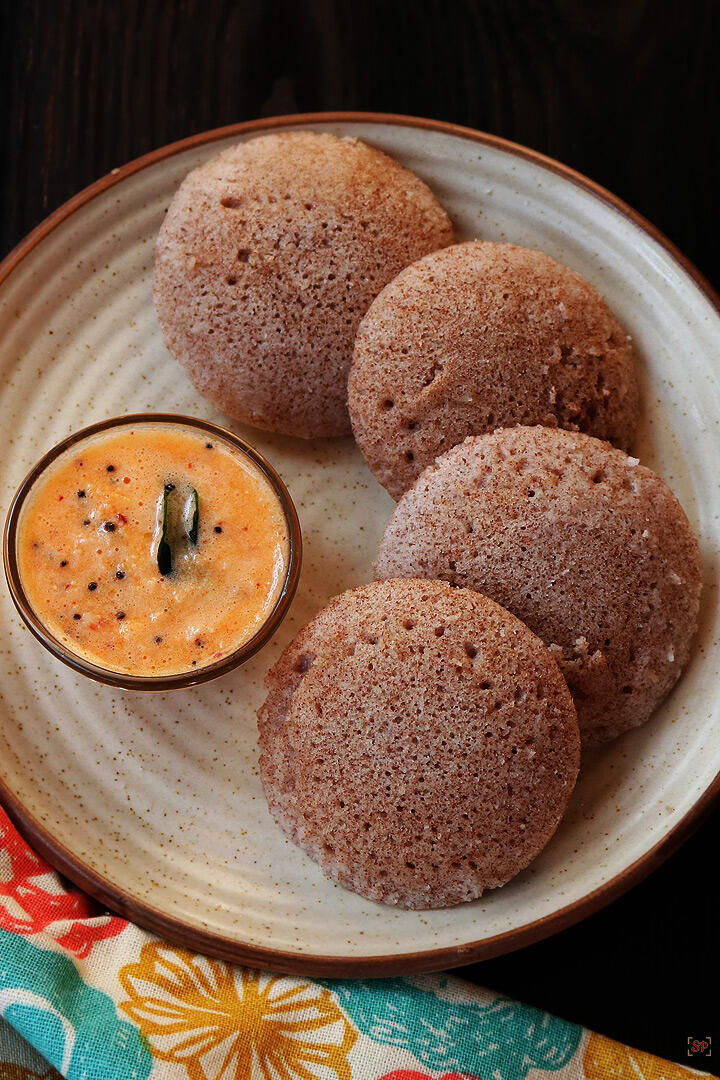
x: 153, y: 803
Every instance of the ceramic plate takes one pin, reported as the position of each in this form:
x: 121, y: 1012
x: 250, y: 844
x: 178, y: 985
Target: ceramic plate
x: 153, y: 803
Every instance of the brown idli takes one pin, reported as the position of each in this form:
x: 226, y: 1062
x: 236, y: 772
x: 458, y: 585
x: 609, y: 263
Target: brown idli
x: 589, y: 548
x: 418, y: 742
x: 479, y: 336
x: 269, y: 256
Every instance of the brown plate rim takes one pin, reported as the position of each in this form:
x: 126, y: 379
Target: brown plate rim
x: 203, y: 941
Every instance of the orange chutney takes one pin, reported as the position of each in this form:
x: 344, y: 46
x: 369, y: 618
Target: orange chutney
x: 152, y: 550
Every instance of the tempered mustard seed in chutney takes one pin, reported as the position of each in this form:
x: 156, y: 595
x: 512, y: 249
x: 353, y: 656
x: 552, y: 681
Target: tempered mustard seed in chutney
x: 152, y: 550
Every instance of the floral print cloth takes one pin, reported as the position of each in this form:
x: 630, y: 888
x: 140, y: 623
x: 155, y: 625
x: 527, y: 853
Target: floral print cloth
x: 89, y: 996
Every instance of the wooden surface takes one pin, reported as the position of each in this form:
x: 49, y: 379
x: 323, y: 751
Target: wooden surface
x: 626, y: 91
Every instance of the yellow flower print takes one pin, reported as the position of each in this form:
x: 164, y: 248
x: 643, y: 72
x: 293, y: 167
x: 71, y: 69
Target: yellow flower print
x: 231, y: 1023
x: 607, y: 1060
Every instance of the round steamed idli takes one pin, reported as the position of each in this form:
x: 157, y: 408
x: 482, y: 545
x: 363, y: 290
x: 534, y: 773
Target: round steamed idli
x: 418, y: 742
x: 590, y: 549
x: 479, y: 336
x: 269, y: 256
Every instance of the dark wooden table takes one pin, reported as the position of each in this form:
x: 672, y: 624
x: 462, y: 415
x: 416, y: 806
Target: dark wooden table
x: 626, y: 91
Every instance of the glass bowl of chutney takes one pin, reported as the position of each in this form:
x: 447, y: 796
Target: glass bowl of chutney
x: 152, y: 551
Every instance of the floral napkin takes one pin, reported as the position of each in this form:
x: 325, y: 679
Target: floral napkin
x: 96, y: 998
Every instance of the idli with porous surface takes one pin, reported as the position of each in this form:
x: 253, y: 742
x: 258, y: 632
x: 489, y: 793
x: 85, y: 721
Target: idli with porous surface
x: 479, y: 336
x: 267, y: 259
x: 589, y: 548
x: 418, y: 742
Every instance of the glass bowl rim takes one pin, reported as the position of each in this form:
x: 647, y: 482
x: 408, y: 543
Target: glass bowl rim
x: 180, y: 680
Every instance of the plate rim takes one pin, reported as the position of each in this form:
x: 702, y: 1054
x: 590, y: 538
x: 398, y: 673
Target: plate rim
x: 185, y: 934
